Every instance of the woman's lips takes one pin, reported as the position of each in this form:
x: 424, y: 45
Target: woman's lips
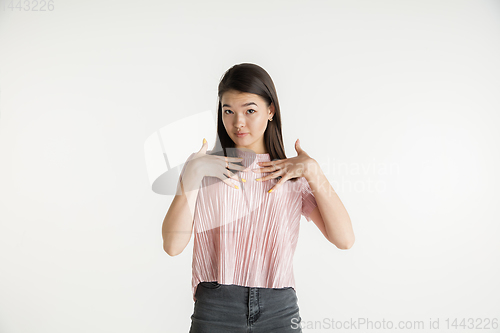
x: 240, y: 135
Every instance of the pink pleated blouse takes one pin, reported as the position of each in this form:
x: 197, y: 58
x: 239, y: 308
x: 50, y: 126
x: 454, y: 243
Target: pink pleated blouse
x: 248, y: 236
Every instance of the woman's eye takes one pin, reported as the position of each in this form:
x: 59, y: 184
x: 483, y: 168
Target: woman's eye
x: 226, y: 111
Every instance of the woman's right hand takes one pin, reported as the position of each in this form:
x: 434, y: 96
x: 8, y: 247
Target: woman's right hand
x: 203, y: 164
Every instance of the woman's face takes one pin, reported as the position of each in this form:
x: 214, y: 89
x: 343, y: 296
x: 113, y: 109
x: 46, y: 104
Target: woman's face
x: 249, y: 113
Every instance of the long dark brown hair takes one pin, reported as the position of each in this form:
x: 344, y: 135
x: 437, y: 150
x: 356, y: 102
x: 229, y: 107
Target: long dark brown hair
x: 250, y: 78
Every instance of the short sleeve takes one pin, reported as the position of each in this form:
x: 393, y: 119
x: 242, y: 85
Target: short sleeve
x: 308, y: 200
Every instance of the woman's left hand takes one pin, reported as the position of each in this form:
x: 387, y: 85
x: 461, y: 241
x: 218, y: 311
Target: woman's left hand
x: 287, y: 168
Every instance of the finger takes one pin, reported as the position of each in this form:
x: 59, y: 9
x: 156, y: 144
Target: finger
x: 277, y: 174
x: 228, y: 182
x: 276, y: 162
x: 273, y: 164
x: 277, y: 185
x: 238, y: 167
x: 204, y: 147
x: 268, y: 169
x: 236, y: 162
x: 229, y: 176
x: 223, y: 162
x: 234, y: 166
x: 262, y: 170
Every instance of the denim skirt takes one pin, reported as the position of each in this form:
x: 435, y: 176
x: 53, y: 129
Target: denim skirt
x: 229, y: 308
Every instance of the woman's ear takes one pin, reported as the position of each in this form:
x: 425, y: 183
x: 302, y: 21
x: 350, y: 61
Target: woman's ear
x: 271, y: 110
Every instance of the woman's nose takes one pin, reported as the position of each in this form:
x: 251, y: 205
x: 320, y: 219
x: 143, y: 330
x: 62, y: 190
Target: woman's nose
x: 239, y: 124
x: 239, y: 121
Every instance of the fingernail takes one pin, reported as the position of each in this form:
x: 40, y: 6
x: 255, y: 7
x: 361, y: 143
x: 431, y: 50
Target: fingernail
x: 270, y: 191
x: 236, y: 186
x: 204, y: 141
x: 244, y: 180
x: 257, y: 179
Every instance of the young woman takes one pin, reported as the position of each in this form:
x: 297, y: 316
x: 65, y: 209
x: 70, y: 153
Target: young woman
x: 246, y: 221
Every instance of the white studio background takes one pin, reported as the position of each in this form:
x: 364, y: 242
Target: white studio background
x: 397, y: 100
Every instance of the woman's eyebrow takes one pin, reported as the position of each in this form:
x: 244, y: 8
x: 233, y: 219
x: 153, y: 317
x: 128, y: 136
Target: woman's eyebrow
x: 246, y: 104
